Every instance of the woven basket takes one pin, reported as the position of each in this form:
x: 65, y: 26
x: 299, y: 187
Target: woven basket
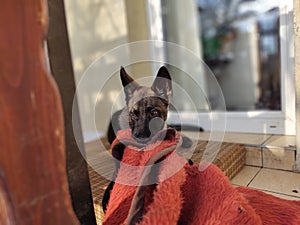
x: 229, y: 157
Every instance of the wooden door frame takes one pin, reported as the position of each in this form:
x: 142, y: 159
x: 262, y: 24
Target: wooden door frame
x: 33, y: 182
x: 60, y: 61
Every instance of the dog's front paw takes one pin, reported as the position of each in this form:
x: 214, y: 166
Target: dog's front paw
x: 170, y: 134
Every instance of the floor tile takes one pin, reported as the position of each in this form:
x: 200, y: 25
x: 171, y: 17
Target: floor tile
x: 203, y: 136
x: 277, y: 158
x: 253, y: 156
x: 281, y: 141
x: 244, y: 177
x: 282, y: 182
x: 246, y: 138
x: 241, y: 138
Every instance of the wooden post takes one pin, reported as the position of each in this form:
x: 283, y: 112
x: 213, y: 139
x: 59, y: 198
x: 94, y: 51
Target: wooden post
x: 62, y: 70
x: 32, y: 147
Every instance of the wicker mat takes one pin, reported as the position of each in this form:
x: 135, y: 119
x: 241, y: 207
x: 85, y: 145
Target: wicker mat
x: 230, y: 158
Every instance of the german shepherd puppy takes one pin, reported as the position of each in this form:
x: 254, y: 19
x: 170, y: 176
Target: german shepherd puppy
x: 145, y: 112
x: 147, y: 107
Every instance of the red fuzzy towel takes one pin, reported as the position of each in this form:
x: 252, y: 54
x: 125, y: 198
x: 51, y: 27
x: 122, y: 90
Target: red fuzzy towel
x: 178, y: 193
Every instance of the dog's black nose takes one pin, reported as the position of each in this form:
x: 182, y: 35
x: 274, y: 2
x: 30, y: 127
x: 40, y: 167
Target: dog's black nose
x: 141, y: 134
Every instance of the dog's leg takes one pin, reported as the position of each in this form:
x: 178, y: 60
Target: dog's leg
x: 106, y: 195
x: 114, y: 126
x: 117, y: 153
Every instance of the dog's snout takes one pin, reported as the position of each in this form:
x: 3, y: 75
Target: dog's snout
x: 141, y: 129
x: 141, y: 133
x: 148, y: 129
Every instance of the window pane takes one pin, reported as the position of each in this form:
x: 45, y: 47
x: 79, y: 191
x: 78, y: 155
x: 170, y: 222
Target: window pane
x: 238, y: 40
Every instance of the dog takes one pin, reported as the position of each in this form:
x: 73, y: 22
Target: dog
x: 145, y: 114
x: 146, y: 108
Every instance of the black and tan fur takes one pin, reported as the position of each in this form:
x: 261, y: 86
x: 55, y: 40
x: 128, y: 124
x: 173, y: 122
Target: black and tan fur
x: 147, y: 107
x: 145, y: 114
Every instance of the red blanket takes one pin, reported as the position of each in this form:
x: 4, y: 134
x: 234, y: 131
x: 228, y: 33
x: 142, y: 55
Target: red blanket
x: 170, y: 191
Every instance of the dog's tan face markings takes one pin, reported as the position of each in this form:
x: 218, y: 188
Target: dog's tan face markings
x: 147, y: 106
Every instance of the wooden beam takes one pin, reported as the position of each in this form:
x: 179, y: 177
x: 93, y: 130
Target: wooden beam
x: 62, y: 70
x: 32, y: 146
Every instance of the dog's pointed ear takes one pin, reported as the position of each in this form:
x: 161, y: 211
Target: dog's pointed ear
x: 162, y: 84
x: 128, y: 83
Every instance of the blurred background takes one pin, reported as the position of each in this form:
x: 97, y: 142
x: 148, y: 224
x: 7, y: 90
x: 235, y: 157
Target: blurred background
x: 246, y: 45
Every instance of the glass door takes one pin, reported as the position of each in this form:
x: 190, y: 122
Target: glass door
x: 248, y: 47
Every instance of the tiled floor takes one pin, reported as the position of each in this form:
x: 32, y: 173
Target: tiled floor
x: 242, y: 138
x: 270, y: 160
x: 250, y: 139
x: 262, y: 150
x: 283, y: 184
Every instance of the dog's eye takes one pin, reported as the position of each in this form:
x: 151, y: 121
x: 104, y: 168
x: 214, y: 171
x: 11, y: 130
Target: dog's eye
x: 135, y: 113
x: 155, y: 113
x: 149, y: 108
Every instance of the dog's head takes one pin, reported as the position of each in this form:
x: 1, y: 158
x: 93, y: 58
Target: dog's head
x: 147, y: 106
